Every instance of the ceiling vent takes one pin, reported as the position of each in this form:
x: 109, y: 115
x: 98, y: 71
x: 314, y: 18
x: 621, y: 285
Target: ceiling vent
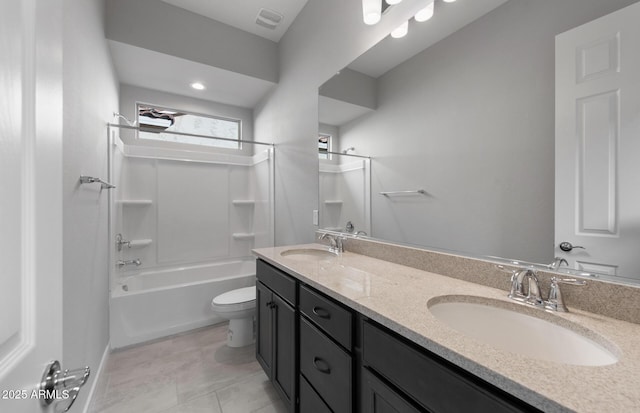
x: 269, y: 18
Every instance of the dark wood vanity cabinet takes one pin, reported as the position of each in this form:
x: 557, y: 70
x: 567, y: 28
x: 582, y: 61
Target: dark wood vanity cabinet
x: 424, y: 381
x: 323, y: 357
x: 326, y: 361
x: 276, y: 330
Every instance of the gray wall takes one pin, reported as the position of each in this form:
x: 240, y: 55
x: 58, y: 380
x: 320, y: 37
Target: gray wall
x: 90, y: 97
x: 471, y: 121
x: 308, y: 56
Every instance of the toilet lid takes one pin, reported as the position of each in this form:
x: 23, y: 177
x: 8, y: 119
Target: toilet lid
x: 241, y: 295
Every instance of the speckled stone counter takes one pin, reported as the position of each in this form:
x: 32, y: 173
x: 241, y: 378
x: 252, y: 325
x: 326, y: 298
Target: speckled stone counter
x: 396, y: 296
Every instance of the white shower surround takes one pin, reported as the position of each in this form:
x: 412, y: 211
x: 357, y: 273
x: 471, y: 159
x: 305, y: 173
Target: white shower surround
x: 224, y: 204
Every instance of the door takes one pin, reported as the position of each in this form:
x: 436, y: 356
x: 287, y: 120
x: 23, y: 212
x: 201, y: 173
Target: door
x: 30, y: 198
x: 284, y: 342
x: 264, y: 328
x: 598, y: 144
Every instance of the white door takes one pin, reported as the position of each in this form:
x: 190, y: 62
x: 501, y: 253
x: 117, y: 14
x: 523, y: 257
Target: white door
x: 30, y: 198
x: 598, y: 144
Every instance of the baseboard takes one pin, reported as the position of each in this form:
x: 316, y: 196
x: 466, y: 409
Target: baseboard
x: 96, y: 379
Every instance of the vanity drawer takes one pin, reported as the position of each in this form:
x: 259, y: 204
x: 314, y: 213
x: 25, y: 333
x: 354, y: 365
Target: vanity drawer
x: 335, y: 320
x: 327, y: 368
x: 281, y: 283
x: 310, y: 401
x: 432, y: 382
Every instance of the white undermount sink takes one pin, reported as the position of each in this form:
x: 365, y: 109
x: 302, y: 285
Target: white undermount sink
x: 505, y: 326
x: 308, y: 253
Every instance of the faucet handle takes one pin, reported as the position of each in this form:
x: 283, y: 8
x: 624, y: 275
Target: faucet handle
x: 517, y: 289
x: 555, y: 301
x: 570, y: 281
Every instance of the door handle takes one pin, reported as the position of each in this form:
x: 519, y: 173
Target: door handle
x: 566, y: 246
x: 57, y: 384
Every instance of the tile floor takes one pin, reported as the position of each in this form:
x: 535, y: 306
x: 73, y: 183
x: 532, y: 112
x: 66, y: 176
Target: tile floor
x: 191, y: 373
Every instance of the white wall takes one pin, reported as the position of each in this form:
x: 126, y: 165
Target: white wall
x: 90, y: 97
x: 471, y: 121
x: 308, y: 56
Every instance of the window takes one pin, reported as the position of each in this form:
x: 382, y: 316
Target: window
x: 324, y: 146
x: 157, y: 123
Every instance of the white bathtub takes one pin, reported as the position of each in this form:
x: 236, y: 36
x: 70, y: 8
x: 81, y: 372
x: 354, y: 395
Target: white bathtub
x: 154, y: 304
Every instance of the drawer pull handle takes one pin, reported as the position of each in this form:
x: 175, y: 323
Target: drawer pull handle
x: 269, y: 304
x: 321, y: 312
x: 321, y: 365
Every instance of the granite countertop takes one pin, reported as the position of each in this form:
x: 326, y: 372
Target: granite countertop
x: 396, y: 296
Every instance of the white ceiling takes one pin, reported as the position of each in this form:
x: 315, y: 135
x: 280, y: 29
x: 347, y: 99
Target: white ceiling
x: 448, y: 18
x: 242, y: 13
x: 153, y: 70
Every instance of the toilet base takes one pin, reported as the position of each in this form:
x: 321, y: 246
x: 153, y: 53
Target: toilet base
x: 240, y: 332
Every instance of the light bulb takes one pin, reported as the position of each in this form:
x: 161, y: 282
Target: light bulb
x: 425, y: 14
x: 401, y: 30
x: 371, y: 11
x: 392, y: 2
x: 198, y: 86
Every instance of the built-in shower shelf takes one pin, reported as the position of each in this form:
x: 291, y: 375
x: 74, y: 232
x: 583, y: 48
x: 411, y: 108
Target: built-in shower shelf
x: 140, y: 243
x: 135, y: 202
x: 333, y: 202
x: 243, y: 235
x: 241, y: 202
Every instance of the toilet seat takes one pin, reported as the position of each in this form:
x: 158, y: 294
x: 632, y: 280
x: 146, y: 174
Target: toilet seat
x: 235, y: 300
x: 240, y: 295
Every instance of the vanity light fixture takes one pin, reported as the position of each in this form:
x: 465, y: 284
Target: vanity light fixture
x: 401, y: 30
x: 426, y: 13
x: 371, y: 11
x: 198, y: 86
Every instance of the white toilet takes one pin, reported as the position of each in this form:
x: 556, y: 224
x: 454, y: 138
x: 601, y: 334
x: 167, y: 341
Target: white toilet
x: 239, y: 307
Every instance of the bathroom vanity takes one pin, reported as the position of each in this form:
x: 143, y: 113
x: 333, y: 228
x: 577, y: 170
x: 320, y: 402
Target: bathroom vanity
x: 352, y: 333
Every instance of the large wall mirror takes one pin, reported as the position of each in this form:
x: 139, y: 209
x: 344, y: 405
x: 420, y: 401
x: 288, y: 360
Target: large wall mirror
x: 459, y: 120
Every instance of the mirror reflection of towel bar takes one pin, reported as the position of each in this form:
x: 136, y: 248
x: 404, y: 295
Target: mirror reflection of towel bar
x: 415, y: 191
x: 90, y: 180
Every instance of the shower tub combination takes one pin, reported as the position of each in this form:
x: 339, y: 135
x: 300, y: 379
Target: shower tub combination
x: 154, y: 304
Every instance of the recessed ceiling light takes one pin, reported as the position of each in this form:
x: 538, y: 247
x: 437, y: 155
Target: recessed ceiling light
x: 198, y: 86
x: 448, y: 1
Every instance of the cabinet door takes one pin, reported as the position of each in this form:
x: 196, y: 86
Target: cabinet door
x: 284, y: 366
x: 379, y: 398
x: 310, y: 401
x: 264, y: 328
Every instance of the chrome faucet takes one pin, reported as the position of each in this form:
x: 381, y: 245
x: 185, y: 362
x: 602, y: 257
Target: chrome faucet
x: 136, y: 262
x: 557, y: 262
x: 533, y: 296
x: 335, y: 242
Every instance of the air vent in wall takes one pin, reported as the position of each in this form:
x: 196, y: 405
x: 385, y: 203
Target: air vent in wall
x: 268, y: 18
